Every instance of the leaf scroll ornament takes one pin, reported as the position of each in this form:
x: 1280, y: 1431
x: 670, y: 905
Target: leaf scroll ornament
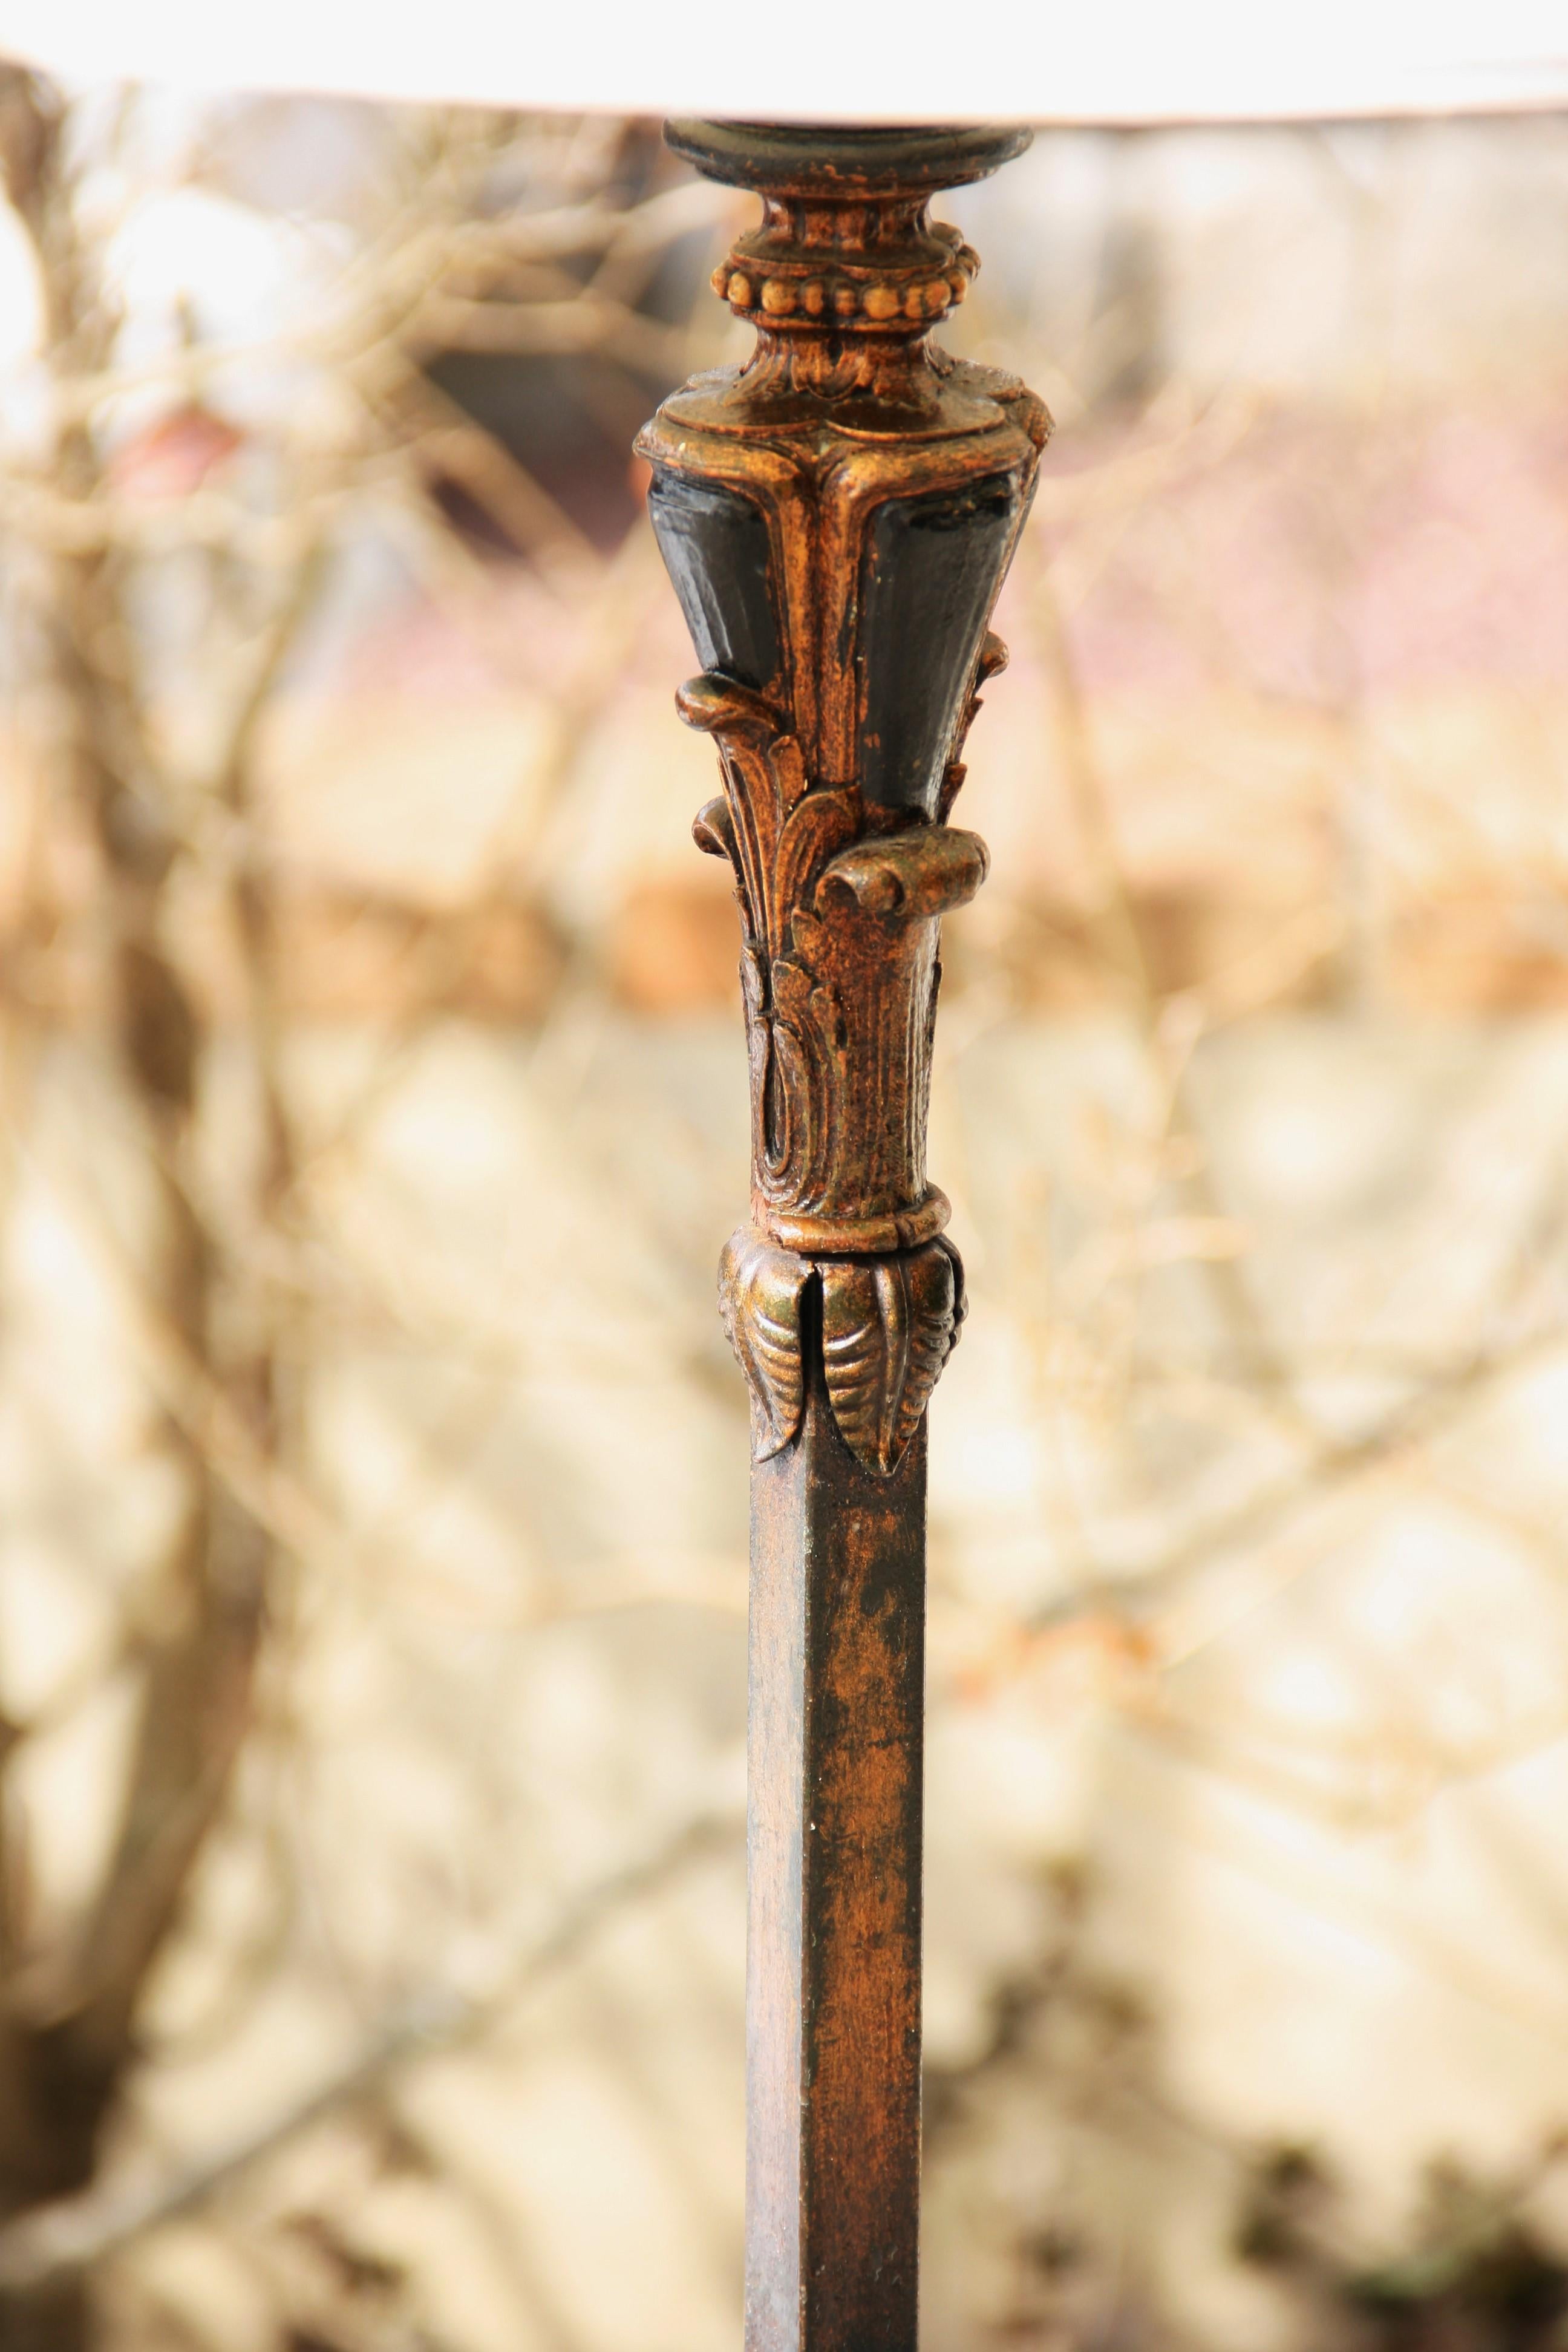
x: 889, y: 1326
x: 760, y: 1289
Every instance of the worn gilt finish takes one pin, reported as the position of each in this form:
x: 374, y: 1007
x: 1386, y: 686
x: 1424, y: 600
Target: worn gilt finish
x: 837, y: 516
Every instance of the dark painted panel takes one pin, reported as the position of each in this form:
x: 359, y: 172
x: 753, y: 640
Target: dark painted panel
x: 714, y: 544
x: 932, y: 570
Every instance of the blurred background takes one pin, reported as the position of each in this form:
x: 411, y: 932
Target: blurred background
x: 372, y: 1469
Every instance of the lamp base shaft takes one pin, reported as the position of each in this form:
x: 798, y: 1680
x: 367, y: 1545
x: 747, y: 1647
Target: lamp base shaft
x: 837, y: 1674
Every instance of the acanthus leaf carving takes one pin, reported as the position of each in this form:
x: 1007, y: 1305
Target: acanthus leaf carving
x: 839, y: 904
x: 889, y: 1325
x: 760, y: 1292
x: 993, y: 661
x: 713, y: 829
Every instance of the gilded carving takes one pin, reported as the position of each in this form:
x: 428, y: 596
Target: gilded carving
x: 760, y: 1289
x: 888, y: 1325
x: 837, y: 516
x: 839, y: 908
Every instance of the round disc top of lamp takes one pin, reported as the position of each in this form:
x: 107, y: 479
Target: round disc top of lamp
x: 863, y: 61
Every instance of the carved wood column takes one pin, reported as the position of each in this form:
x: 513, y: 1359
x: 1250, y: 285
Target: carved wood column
x: 837, y: 516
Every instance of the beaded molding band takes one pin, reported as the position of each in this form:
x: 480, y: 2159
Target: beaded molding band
x: 772, y: 289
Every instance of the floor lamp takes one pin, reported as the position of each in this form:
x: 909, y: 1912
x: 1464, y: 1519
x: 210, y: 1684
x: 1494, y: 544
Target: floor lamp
x: 836, y: 516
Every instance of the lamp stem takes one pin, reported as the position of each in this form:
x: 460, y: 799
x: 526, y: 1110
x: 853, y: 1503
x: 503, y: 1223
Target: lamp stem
x: 836, y: 518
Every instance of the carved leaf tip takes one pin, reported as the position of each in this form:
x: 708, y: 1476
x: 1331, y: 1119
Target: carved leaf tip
x: 713, y: 829
x: 889, y: 1326
x: 994, y: 658
x: 714, y: 702
x: 760, y: 1290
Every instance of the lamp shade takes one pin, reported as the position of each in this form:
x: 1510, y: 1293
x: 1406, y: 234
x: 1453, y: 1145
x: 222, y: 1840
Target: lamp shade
x: 833, y: 60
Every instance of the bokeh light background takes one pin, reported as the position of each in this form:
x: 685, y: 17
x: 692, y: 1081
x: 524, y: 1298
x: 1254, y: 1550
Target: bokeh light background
x: 373, y: 1509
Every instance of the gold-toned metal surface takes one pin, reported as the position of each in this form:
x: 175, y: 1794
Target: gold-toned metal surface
x: 837, y: 515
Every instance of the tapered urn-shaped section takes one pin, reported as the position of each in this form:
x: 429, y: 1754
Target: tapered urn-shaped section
x: 837, y: 516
